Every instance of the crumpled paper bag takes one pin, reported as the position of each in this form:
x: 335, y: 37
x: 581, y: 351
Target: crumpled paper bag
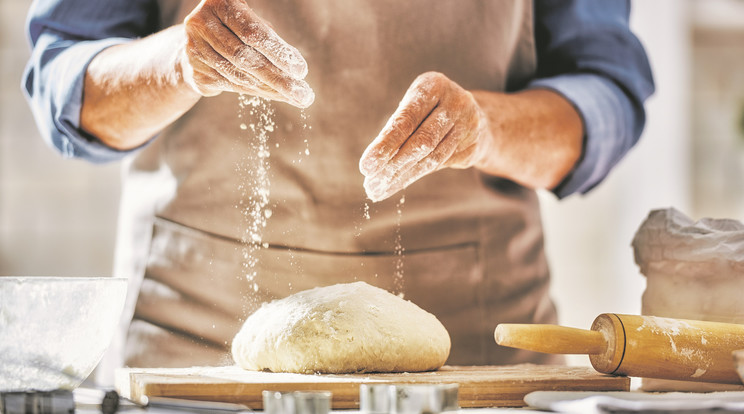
x: 669, y: 242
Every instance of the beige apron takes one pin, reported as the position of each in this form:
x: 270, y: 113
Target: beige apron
x: 473, y: 245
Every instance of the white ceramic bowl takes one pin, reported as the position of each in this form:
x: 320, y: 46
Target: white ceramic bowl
x: 54, y: 330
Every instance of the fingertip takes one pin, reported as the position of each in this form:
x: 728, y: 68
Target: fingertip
x: 302, y: 95
x: 309, y: 102
x: 373, y: 190
x: 365, y: 169
x: 374, y: 199
x: 368, y: 164
x: 298, y: 68
x: 363, y: 166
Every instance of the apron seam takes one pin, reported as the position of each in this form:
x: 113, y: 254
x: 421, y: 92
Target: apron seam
x: 276, y: 246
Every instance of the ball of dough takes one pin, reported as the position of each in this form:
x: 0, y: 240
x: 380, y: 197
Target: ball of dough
x: 344, y: 328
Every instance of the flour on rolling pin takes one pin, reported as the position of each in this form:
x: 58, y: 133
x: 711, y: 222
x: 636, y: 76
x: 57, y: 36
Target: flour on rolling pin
x: 672, y: 328
x: 666, y: 326
x: 640, y: 346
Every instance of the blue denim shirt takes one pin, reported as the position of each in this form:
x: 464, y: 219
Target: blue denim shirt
x: 585, y: 52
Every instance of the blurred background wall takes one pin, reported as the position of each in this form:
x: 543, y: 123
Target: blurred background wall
x: 58, y: 217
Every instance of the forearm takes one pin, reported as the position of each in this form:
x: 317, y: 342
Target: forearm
x: 535, y: 139
x: 133, y: 90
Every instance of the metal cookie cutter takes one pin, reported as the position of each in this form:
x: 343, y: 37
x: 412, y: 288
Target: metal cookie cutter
x: 297, y: 402
x: 408, y: 399
x: 37, y: 402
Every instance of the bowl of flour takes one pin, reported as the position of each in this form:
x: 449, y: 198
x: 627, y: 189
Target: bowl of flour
x: 55, y: 330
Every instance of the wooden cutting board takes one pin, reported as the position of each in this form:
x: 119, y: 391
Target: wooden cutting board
x: 480, y: 386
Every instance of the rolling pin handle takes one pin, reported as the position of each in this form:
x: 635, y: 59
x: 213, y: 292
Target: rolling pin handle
x: 551, y: 339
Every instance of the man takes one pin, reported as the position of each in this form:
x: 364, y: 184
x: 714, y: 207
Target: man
x: 501, y: 98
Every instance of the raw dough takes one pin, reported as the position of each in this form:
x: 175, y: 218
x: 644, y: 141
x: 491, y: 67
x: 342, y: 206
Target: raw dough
x: 343, y: 328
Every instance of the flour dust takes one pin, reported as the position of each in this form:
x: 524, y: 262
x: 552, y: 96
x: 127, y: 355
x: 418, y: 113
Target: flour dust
x: 257, y: 116
x: 399, y: 250
x: 358, y: 226
x: 305, y: 127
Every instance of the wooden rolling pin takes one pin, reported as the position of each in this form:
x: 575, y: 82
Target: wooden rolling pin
x: 640, y: 346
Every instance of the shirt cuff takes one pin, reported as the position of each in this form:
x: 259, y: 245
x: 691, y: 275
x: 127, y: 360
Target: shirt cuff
x: 63, y: 92
x: 607, y: 115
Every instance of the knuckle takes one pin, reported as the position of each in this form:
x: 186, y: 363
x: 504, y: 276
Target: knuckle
x: 260, y: 68
x: 244, y: 79
x: 195, y: 19
x: 252, y: 82
x: 254, y: 32
x: 406, y: 121
x: 214, y: 7
x: 219, y: 6
x: 466, y: 100
x: 430, y: 76
x: 204, y: 76
x: 462, y: 157
x: 248, y: 58
x: 427, y: 139
x: 434, y: 78
x: 386, y: 150
x: 432, y: 83
x: 439, y: 157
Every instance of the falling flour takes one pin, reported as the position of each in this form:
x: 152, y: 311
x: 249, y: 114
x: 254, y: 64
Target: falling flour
x: 399, y: 249
x: 305, y: 128
x: 359, y: 226
x: 257, y: 116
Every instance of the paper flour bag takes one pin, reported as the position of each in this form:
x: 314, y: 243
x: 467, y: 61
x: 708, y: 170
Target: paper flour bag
x: 694, y: 270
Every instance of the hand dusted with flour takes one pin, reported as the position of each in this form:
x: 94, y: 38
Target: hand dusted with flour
x: 230, y: 48
x: 533, y: 137
x: 437, y: 124
x: 343, y: 328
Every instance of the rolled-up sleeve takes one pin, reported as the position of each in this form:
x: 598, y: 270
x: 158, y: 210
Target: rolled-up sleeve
x: 66, y: 35
x: 587, y: 53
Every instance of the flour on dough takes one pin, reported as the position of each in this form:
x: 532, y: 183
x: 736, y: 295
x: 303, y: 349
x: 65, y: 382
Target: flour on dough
x: 344, y: 328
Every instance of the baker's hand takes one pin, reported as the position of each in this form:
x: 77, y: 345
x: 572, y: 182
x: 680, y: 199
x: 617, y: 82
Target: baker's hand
x: 229, y: 48
x: 438, y: 124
